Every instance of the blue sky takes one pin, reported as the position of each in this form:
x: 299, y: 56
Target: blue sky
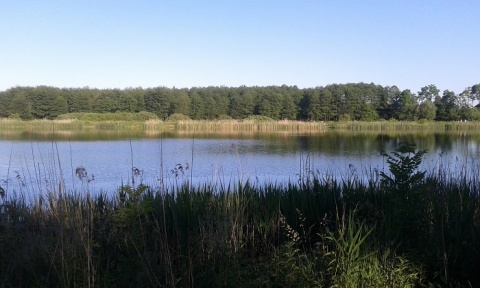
x: 119, y: 44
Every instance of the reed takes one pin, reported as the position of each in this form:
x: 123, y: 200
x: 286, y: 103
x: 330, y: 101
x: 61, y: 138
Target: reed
x: 11, y: 123
x: 389, y: 126
x: 149, y: 123
x: 44, y: 124
x: 229, y: 126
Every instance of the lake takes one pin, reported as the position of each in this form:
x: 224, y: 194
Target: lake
x: 32, y: 163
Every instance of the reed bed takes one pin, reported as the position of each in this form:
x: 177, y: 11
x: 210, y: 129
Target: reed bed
x: 473, y: 126
x: 227, y: 126
x: 317, y: 232
x: 65, y: 125
x: 11, y: 123
x: 42, y: 125
x: 134, y: 121
x: 158, y: 125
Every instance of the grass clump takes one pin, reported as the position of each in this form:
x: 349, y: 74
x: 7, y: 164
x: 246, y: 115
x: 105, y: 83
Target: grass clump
x: 351, y: 261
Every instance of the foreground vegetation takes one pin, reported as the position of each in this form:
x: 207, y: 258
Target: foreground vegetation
x: 401, y: 228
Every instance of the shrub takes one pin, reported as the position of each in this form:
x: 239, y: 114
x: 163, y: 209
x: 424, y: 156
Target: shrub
x: 258, y: 118
x: 403, y: 164
x: 117, y: 116
x: 224, y: 117
x: 178, y: 117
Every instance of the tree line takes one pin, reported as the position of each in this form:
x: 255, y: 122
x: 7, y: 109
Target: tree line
x: 336, y: 102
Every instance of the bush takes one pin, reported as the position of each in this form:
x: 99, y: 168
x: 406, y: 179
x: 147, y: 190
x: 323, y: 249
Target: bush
x: 258, y: 118
x: 178, y: 117
x: 117, y: 116
x: 403, y: 164
x: 15, y: 116
x: 224, y: 117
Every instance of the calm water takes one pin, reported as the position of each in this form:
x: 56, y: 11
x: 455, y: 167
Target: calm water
x: 30, y: 163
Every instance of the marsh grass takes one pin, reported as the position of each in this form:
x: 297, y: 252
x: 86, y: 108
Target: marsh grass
x: 151, y: 125
x: 411, y: 126
x: 318, y: 231
x: 44, y: 124
x: 249, y: 125
x: 74, y: 125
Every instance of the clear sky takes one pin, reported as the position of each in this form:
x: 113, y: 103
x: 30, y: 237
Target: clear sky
x: 119, y: 44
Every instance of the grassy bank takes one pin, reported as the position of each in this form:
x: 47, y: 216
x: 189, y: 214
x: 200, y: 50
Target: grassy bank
x: 401, y: 228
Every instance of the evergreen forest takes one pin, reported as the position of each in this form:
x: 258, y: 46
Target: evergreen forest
x: 335, y: 102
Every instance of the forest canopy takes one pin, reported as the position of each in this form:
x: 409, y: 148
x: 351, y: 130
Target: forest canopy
x: 336, y: 102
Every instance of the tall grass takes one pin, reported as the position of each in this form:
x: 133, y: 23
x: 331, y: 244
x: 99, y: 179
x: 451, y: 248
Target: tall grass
x: 44, y: 124
x: 229, y: 126
x: 319, y: 231
x: 390, y: 126
x: 149, y: 123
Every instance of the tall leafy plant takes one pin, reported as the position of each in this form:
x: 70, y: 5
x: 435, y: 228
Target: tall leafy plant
x: 403, y: 164
x: 404, y: 198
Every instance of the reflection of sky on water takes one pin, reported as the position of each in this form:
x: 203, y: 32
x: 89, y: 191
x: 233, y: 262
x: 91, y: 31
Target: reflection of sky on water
x: 39, y: 165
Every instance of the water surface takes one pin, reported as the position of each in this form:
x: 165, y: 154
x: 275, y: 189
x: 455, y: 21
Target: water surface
x: 33, y: 163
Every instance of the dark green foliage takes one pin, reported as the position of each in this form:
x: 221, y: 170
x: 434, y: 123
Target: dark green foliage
x: 157, y: 100
x: 427, y: 110
x: 311, y: 107
x: 289, y: 109
x: 447, y: 108
x: 352, y: 101
x: 428, y: 93
x: 403, y: 164
x: 180, y: 102
x: 21, y: 106
x: 269, y: 103
x: 118, y: 116
x: 404, y: 106
x: 177, y: 117
x: 106, y: 102
x: 403, y: 200
x: 242, y: 103
x: 197, y: 110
